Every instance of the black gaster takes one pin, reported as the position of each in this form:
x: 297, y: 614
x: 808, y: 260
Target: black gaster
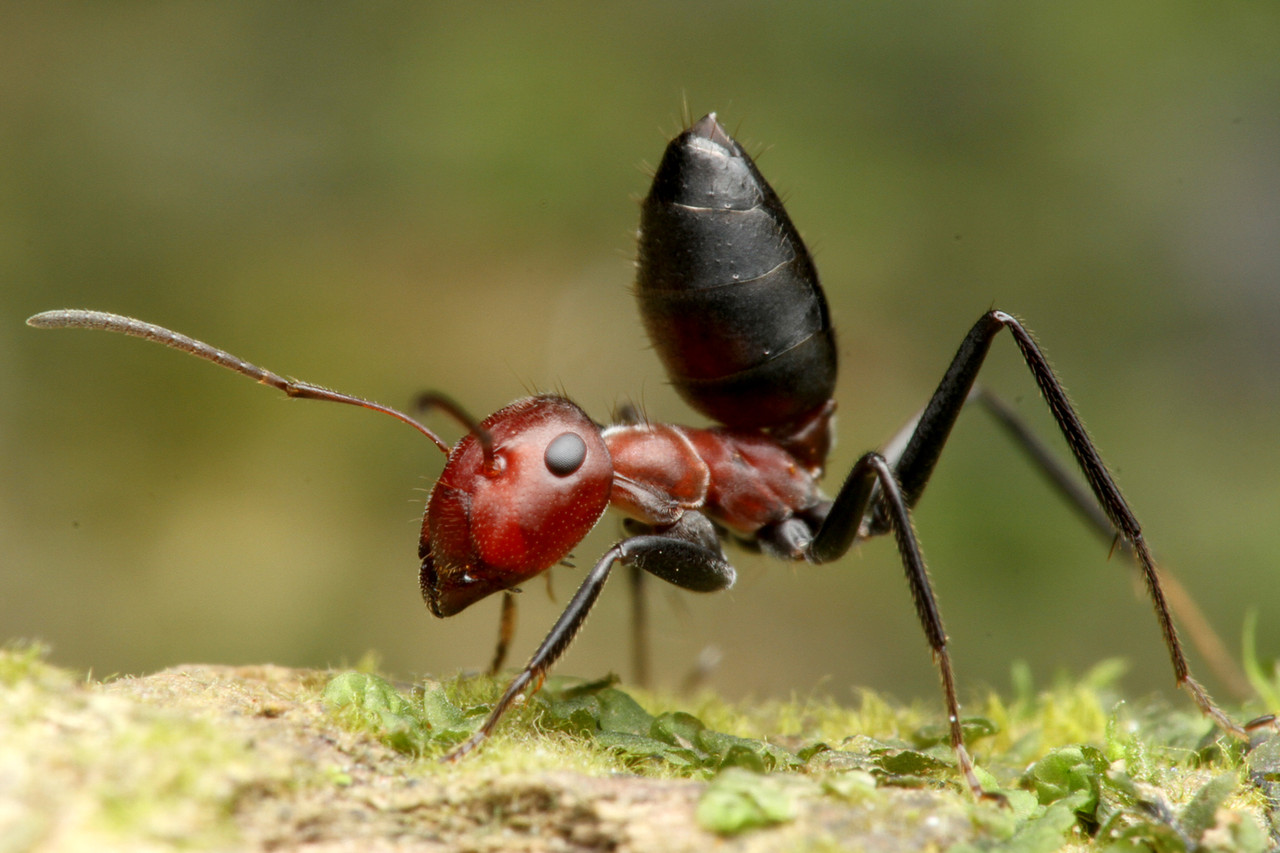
x: 727, y: 290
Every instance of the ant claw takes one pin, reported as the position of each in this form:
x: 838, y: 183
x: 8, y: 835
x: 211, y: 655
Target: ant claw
x: 460, y: 751
x: 995, y: 798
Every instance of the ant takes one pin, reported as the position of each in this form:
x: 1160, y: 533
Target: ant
x: 730, y: 298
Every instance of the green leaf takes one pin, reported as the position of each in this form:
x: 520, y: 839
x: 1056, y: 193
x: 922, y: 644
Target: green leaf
x: 1027, y: 828
x: 811, y: 750
x: 737, y: 800
x: 1201, y: 813
x: 619, y: 723
x: 743, y: 757
x: 850, y: 785
x: 446, y: 720
x: 1066, y: 771
x: 971, y: 729
x: 1152, y: 835
x: 640, y: 748
x: 677, y: 728
x: 620, y: 713
x: 1268, y: 689
x: 579, y: 714
x: 1045, y: 833
x: 364, y: 701
x: 908, y: 762
x: 750, y: 753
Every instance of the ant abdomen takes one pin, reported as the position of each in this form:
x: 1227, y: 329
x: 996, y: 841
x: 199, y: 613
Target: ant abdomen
x: 727, y: 290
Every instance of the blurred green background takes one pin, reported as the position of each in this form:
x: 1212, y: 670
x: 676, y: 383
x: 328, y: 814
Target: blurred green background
x: 386, y: 198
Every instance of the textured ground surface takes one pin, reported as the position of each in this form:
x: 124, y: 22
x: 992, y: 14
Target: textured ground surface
x: 254, y: 758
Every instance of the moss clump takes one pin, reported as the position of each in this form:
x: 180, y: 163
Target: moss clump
x: 83, y: 765
x: 258, y: 758
x: 1075, y: 762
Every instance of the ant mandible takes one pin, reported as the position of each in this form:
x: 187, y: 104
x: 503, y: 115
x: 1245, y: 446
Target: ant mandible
x: 731, y: 301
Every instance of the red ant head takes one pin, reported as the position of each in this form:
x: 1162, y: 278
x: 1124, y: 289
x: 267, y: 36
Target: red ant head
x: 496, y: 519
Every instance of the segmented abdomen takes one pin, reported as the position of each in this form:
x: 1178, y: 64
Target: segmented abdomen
x: 727, y: 290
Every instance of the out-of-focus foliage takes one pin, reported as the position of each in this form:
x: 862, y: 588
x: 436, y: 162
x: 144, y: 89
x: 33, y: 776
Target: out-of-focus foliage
x: 394, y: 198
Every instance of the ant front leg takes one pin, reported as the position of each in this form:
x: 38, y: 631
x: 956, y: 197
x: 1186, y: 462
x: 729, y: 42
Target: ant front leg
x: 629, y: 413
x: 506, y: 630
x: 686, y: 554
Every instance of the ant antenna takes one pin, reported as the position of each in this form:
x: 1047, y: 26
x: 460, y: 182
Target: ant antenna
x: 104, y: 321
x: 429, y: 400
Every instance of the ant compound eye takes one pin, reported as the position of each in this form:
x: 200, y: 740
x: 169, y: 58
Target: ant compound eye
x: 565, y: 454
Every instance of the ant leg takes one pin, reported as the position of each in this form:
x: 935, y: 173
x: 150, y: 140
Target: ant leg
x: 506, y: 630
x: 639, y: 628
x: 1062, y: 480
x: 675, y: 557
x: 918, y: 458
x: 873, y: 478
x: 1202, y: 634
x: 686, y: 554
x: 692, y: 559
x: 562, y: 633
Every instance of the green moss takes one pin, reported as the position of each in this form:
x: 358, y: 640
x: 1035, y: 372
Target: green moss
x: 1265, y: 684
x: 264, y: 757
x: 113, y: 767
x: 23, y: 663
x: 1074, y: 760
